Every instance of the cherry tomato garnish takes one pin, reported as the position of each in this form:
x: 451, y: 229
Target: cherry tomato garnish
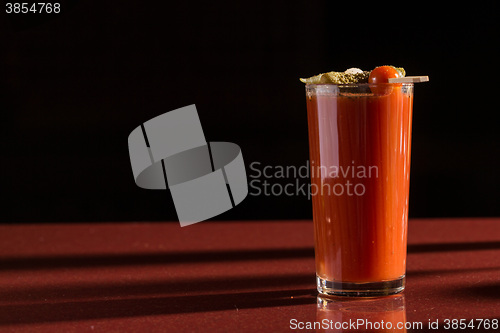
x: 382, y: 74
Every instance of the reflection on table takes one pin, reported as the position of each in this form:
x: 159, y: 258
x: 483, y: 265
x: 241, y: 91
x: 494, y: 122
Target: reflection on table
x: 384, y: 314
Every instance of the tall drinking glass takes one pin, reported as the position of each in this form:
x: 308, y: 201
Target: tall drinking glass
x: 359, y: 141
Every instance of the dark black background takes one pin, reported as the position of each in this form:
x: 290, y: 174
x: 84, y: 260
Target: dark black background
x: 75, y: 84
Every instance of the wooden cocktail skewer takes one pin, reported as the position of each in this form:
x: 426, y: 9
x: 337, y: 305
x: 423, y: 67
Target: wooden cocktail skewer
x: 409, y: 79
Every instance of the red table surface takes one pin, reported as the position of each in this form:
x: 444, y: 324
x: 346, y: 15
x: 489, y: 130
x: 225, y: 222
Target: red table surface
x: 240, y: 276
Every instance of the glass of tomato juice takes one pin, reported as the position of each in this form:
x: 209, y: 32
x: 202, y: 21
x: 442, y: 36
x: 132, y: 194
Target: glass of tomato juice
x: 359, y: 141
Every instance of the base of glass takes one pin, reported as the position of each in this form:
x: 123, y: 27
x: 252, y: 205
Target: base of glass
x: 361, y: 289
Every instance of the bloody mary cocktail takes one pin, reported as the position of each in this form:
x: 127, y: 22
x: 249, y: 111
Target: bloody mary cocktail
x: 360, y: 140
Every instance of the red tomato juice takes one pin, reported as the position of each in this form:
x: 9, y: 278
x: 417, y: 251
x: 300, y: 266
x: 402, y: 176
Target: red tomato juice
x: 360, y: 141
